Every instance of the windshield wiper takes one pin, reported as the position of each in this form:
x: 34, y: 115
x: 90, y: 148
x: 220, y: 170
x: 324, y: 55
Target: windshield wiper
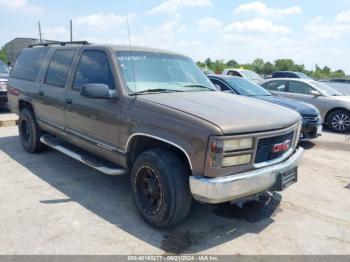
x: 156, y: 90
x: 197, y: 85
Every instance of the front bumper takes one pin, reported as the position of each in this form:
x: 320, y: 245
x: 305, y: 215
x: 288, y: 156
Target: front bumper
x: 310, y: 130
x: 234, y: 187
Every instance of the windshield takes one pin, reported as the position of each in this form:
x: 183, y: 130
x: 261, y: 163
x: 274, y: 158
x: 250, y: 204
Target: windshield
x: 251, y: 75
x: 4, y: 68
x: 246, y: 87
x: 328, y: 90
x: 303, y: 76
x: 146, y: 72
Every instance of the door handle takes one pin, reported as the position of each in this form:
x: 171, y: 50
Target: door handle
x: 69, y: 101
x: 41, y: 93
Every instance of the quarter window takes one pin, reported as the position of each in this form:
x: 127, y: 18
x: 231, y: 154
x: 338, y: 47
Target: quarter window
x: 58, y: 69
x: 279, y: 86
x: 93, y: 68
x: 28, y: 63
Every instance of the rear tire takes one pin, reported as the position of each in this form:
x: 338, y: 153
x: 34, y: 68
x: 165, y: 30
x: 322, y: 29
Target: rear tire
x: 160, y: 186
x: 30, y: 132
x: 339, y: 121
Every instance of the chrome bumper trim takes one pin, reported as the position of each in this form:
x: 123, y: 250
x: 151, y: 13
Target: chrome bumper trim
x: 233, y: 187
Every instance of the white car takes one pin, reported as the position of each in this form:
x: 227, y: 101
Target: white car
x: 244, y: 73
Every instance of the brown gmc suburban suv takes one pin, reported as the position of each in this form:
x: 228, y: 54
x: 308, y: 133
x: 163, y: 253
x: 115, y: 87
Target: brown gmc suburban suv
x: 154, y: 115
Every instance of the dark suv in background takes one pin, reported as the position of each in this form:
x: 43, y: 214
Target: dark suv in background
x: 154, y: 115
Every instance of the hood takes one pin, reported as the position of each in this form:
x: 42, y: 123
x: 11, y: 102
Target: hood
x: 233, y: 114
x: 301, y: 107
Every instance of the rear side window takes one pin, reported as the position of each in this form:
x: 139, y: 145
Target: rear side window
x: 276, y: 86
x: 93, y: 68
x: 58, y: 69
x: 28, y: 63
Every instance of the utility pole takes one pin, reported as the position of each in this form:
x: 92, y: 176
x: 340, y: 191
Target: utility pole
x: 71, y: 30
x: 40, y: 36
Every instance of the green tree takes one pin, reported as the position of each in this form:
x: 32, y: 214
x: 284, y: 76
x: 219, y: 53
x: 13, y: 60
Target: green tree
x: 232, y: 63
x: 208, y: 62
x: 284, y: 65
x: 258, y: 65
x: 268, y: 68
x: 3, y: 55
x: 218, y: 66
x: 339, y: 73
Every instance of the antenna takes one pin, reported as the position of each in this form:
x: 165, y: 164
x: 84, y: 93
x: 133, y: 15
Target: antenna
x: 71, y: 30
x: 40, y: 35
x: 131, y: 58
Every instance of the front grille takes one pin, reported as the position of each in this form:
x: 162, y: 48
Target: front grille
x: 266, y: 145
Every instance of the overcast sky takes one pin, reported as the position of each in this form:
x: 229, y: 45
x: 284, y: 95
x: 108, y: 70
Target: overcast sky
x: 310, y: 32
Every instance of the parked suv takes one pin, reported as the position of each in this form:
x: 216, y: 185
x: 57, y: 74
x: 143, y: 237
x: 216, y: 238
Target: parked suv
x: 154, y: 115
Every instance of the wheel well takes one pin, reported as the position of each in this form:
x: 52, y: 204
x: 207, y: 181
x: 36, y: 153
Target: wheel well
x: 140, y: 144
x: 24, y: 104
x: 332, y: 110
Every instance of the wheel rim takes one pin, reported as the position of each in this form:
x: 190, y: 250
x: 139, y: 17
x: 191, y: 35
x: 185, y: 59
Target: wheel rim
x: 148, y: 189
x: 341, y: 122
x: 25, y: 131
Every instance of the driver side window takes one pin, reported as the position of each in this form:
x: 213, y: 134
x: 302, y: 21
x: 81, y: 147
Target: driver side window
x: 93, y: 68
x: 299, y: 88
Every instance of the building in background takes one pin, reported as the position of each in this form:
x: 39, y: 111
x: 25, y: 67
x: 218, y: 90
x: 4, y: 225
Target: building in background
x: 16, y: 45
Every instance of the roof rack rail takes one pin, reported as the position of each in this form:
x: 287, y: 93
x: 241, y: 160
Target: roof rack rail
x: 61, y: 43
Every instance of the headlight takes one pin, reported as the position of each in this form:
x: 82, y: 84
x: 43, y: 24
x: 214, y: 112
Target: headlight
x: 231, y: 145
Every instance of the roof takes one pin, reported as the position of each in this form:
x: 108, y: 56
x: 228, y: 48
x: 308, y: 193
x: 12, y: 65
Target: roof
x: 116, y: 47
x: 290, y: 79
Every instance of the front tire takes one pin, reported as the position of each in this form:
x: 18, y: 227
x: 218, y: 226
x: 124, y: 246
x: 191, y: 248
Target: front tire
x: 29, y: 132
x: 339, y: 121
x: 160, y: 186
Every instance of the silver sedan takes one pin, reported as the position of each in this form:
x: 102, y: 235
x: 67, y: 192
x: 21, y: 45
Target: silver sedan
x: 333, y: 105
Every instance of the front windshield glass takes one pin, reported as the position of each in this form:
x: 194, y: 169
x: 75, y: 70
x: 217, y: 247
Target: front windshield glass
x: 246, y: 87
x: 4, y: 68
x: 251, y: 75
x: 148, y: 72
x: 303, y: 76
x: 326, y: 89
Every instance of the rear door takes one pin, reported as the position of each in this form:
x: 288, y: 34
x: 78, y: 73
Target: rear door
x: 94, y: 121
x: 277, y: 87
x: 53, y: 90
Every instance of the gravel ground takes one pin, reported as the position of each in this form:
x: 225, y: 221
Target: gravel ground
x: 52, y: 204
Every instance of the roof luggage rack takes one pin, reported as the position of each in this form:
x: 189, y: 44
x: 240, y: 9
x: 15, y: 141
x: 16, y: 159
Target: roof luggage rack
x: 62, y: 43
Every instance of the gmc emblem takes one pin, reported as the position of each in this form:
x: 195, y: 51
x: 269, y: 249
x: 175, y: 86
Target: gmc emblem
x: 281, y: 147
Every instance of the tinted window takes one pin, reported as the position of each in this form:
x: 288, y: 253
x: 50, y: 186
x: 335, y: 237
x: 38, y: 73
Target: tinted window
x: 299, y: 88
x: 234, y: 73
x: 221, y: 84
x: 57, y: 71
x: 246, y: 87
x: 276, y: 86
x: 28, y: 63
x: 93, y: 68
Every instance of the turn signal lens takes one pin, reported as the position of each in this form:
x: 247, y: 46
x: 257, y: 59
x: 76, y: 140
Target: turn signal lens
x: 236, y: 160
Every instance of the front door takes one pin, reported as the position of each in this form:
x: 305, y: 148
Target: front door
x: 94, y: 121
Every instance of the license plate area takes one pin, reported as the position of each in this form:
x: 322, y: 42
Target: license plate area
x: 287, y: 178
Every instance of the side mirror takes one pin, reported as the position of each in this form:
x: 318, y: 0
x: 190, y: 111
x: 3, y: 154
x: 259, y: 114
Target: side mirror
x: 315, y: 93
x: 97, y: 91
x: 218, y: 88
